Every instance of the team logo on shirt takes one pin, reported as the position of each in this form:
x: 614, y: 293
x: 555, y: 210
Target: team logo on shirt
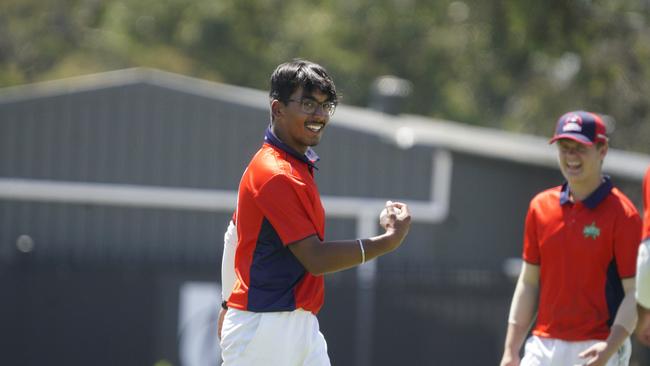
x: 592, y: 231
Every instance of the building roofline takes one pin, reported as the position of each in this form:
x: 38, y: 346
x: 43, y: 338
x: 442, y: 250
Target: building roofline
x: 482, y: 141
x: 111, y: 79
x: 403, y: 130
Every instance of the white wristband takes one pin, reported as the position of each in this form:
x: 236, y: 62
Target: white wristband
x: 363, y: 251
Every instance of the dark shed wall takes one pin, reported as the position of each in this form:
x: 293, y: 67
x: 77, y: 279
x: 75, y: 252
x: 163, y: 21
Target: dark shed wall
x: 446, y: 282
x: 135, y: 134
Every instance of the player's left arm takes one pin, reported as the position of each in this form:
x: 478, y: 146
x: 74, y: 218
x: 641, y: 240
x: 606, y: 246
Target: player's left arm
x: 623, y: 326
x: 625, y: 250
x: 626, y: 246
x: 626, y: 316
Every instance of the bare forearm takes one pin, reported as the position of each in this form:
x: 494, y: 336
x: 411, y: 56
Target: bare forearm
x: 626, y: 316
x: 625, y: 321
x: 617, y: 336
x: 325, y: 257
x: 522, y: 311
x: 515, y: 338
x: 334, y: 256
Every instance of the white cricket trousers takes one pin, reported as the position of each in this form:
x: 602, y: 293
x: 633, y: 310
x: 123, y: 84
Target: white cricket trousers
x: 555, y: 352
x: 288, y: 338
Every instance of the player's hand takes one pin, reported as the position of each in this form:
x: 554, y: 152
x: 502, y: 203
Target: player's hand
x: 222, y: 316
x: 596, y: 355
x: 396, y: 220
x: 390, y: 213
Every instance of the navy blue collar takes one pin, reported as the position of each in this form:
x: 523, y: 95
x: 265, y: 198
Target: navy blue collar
x: 594, y: 198
x: 310, y: 157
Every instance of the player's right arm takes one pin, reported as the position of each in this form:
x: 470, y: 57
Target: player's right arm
x: 325, y: 257
x: 522, y: 311
x: 287, y: 203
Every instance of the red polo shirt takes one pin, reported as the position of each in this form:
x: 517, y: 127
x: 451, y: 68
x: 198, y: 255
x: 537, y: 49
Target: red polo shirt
x: 583, y: 249
x: 278, y: 204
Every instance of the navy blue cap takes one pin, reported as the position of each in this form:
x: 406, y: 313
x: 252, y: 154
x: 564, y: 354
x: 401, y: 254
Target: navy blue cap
x: 584, y: 127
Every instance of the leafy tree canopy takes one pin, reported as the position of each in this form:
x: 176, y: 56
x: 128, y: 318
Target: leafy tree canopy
x: 510, y: 64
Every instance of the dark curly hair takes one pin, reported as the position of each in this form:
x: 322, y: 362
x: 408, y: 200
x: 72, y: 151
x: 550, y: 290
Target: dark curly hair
x: 288, y: 76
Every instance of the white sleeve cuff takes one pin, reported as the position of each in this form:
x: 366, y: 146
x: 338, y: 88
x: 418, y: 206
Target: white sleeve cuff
x: 643, y: 275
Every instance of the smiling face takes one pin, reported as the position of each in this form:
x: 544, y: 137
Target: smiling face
x: 581, y: 164
x: 293, y: 126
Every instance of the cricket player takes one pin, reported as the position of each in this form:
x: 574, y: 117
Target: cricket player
x: 579, y: 252
x: 281, y: 254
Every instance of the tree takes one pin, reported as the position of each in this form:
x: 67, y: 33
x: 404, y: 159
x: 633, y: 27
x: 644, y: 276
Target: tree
x: 511, y: 64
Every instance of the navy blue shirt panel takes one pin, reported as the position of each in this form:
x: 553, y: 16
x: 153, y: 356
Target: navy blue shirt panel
x: 614, y: 292
x: 275, y: 272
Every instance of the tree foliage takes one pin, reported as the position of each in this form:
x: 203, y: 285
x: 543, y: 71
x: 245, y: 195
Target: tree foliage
x: 511, y: 64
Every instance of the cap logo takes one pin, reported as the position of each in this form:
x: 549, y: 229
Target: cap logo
x: 573, y: 123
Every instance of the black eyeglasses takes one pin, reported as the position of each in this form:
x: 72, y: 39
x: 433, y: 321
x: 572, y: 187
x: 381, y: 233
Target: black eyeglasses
x: 309, y: 106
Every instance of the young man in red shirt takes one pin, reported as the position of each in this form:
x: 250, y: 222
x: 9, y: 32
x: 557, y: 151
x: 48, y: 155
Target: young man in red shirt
x: 643, y: 269
x: 580, y: 248
x: 281, y: 252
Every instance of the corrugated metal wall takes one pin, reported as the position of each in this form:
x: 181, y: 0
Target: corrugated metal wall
x: 136, y: 134
x: 147, y: 135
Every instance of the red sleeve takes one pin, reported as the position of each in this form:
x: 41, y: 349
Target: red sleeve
x: 284, y: 201
x: 646, y: 206
x: 531, y: 242
x: 626, y: 243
